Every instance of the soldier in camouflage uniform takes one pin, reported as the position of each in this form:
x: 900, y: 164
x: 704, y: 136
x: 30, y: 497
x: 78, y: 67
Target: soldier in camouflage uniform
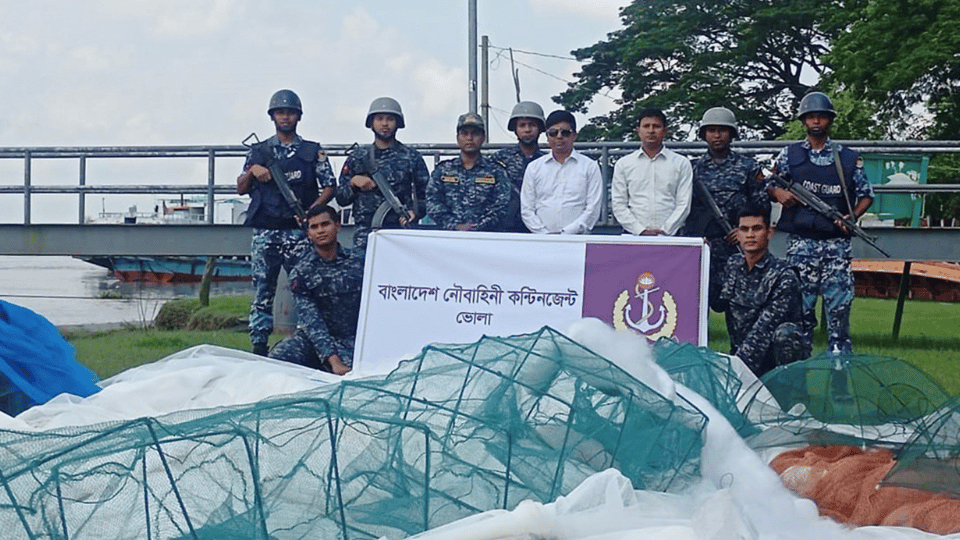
x: 470, y: 192
x: 527, y: 123
x: 326, y: 284
x: 276, y: 232
x: 760, y: 295
x: 733, y: 180
x: 403, y: 167
x: 819, y: 248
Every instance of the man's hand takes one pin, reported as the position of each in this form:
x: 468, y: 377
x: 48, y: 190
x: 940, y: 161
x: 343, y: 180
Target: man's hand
x: 784, y: 197
x: 732, y: 237
x: 362, y: 182
x: 408, y: 218
x: 653, y: 232
x: 337, y: 365
x: 466, y: 227
x: 840, y: 225
x: 260, y: 172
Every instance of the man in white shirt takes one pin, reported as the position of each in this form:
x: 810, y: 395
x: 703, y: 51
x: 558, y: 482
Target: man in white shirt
x: 652, y: 187
x: 561, y: 192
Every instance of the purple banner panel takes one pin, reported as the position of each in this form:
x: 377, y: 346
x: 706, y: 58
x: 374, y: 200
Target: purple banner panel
x: 651, y: 289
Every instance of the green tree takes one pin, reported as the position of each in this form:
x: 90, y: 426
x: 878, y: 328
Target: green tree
x: 901, y: 55
x: 686, y: 56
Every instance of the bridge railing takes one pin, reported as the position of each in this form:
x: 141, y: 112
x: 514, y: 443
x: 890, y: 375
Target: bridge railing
x: 606, y: 153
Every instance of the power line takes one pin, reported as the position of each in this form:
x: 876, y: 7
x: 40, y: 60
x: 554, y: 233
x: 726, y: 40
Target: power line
x: 561, y: 79
x: 502, y: 50
x: 544, y: 55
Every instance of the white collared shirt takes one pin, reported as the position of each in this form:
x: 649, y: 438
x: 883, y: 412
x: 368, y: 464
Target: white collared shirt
x: 652, y: 193
x: 561, y: 197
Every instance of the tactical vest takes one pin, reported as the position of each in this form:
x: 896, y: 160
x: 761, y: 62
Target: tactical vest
x: 268, y: 209
x: 824, y: 182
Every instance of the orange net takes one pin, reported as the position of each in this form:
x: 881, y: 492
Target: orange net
x: 844, y: 481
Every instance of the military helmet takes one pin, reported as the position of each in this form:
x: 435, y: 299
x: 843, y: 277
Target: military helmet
x: 284, y: 99
x: 816, y: 102
x: 385, y: 105
x: 526, y: 109
x: 718, y: 116
x: 471, y: 119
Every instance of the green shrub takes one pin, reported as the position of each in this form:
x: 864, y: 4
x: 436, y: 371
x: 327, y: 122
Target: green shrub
x: 208, y: 319
x: 175, y: 314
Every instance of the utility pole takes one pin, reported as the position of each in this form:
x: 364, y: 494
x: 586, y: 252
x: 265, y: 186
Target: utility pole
x: 472, y: 53
x: 485, y: 89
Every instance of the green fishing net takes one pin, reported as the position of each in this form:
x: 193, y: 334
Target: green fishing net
x: 930, y: 460
x: 851, y: 399
x: 457, y: 430
x: 709, y: 374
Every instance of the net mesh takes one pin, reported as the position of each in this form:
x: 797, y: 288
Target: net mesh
x: 844, y: 483
x: 457, y: 430
x: 931, y: 458
x: 853, y: 399
x: 709, y: 374
x: 882, y: 450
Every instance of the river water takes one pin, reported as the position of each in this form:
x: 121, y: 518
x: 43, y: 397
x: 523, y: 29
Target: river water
x: 68, y: 291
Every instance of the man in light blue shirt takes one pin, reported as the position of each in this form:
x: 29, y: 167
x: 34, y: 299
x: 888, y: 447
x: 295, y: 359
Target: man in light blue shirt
x: 562, y: 191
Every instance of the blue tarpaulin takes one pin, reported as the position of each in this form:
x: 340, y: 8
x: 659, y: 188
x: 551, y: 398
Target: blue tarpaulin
x: 36, y: 362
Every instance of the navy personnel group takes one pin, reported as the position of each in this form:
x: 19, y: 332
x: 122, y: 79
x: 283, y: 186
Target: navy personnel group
x: 721, y: 196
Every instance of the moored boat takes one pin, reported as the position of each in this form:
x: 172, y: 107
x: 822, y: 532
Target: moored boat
x: 172, y: 269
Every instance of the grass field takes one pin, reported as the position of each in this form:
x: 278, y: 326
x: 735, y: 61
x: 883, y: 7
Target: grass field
x: 929, y: 338
x: 929, y: 335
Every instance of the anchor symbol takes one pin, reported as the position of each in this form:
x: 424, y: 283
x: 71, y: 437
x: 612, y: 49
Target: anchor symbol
x: 643, y: 325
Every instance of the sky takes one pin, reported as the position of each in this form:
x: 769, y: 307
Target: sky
x: 188, y: 72
x: 184, y: 72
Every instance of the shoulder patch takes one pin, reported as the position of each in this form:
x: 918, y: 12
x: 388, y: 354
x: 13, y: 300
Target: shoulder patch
x: 488, y: 180
x: 321, y: 156
x: 450, y: 179
x: 860, y: 162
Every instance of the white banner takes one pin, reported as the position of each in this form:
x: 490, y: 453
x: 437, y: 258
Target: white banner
x: 423, y: 287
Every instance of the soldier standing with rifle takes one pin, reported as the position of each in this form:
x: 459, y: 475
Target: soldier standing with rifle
x: 385, y: 181
x: 272, y: 213
x: 724, y: 181
x: 818, y: 246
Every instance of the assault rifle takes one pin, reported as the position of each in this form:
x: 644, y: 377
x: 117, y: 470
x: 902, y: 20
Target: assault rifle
x: 704, y: 194
x: 392, y: 201
x: 817, y: 205
x: 280, y: 179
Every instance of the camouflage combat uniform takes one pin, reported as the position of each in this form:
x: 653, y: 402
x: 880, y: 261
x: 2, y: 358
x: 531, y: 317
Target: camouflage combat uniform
x: 276, y: 234
x: 458, y: 195
x: 823, y: 258
x: 327, y: 294
x: 515, y: 163
x: 762, y: 308
x: 732, y: 183
x: 407, y: 174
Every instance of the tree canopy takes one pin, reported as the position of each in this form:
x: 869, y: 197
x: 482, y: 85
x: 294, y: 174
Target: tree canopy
x: 897, y: 63
x: 685, y: 56
x: 904, y: 56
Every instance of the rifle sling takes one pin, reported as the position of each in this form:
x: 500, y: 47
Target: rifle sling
x: 843, y: 181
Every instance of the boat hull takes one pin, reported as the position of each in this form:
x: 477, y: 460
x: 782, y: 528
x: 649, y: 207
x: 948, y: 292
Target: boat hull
x: 172, y: 269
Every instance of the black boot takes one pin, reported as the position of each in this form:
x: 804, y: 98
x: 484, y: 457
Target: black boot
x: 260, y: 348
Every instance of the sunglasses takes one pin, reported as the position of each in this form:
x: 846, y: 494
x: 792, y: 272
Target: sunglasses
x: 559, y: 132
